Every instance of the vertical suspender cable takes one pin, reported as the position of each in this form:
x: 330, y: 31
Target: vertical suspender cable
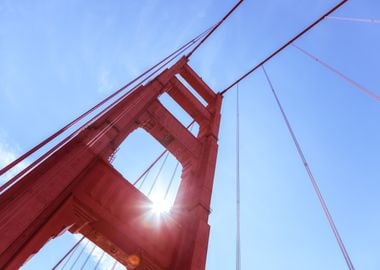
x: 79, y: 255
x: 88, y: 257
x: 69, y: 258
x: 158, y: 174
x: 311, y: 177
x: 175, y: 170
x: 171, y: 181
x: 238, y: 255
x: 144, y: 179
x: 149, y: 168
x: 100, y: 259
x: 114, y: 265
x: 156, y: 160
x: 68, y: 253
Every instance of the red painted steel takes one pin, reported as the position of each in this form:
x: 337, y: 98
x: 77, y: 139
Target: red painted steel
x: 77, y: 188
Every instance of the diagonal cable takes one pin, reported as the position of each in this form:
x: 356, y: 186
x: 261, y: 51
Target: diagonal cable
x: 339, y: 74
x: 350, y: 19
x: 311, y: 176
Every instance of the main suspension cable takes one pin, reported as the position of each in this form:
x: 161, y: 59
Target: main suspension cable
x: 60, y: 144
x: 283, y: 47
x: 238, y: 254
x: 72, y: 123
x: 214, y: 28
x: 311, y: 176
x: 340, y: 74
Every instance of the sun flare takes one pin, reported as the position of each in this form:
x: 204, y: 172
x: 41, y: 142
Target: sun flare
x: 160, y: 206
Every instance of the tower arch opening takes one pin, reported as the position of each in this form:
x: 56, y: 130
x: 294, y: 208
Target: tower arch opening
x: 141, y: 158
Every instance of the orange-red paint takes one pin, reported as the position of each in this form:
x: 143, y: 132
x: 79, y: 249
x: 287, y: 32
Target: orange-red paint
x: 77, y: 188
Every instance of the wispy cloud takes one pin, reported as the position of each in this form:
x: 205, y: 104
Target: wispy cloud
x: 105, y: 83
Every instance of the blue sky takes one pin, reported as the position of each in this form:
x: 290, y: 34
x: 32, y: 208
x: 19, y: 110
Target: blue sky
x: 58, y: 58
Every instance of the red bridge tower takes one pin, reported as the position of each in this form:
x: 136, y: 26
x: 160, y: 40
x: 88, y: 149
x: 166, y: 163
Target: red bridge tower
x: 77, y: 188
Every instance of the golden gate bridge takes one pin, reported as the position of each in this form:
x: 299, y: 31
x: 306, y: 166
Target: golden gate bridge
x: 73, y: 186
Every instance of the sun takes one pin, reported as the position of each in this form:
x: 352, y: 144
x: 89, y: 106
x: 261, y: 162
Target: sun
x: 160, y: 206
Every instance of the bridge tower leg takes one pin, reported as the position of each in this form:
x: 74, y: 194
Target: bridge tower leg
x: 76, y: 188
